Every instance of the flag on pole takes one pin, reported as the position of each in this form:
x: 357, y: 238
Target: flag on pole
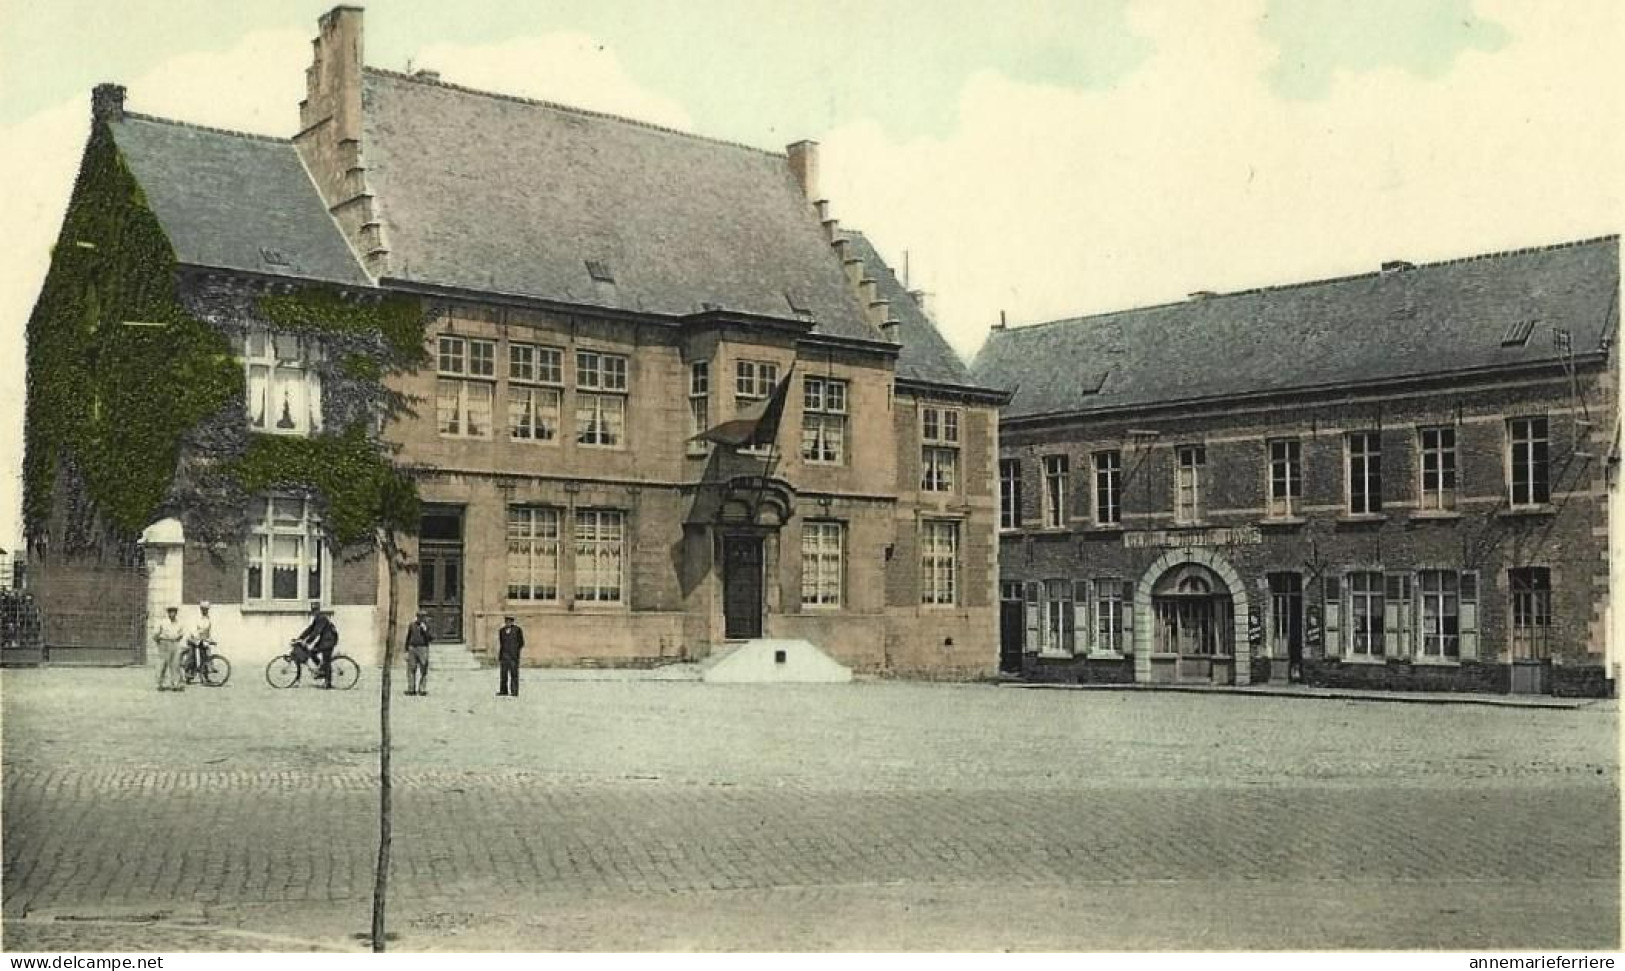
x: 756, y: 425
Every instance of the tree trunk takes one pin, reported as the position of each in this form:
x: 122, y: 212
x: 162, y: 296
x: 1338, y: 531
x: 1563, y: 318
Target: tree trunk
x: 380, y: 884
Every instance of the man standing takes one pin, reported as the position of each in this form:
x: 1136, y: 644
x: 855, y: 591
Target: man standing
x: 321, y: 639
x: 169, y: 637
x: 201, y: 638
x: 510, y: 641
x: 417, y: 656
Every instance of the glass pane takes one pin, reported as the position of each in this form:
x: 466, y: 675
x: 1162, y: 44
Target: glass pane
x: 287, y: 513
x: 285, y: 582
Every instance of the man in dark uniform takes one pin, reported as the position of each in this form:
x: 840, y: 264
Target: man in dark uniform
x: 321, y: 638
x: 510, y: 641
x: 417, y: 656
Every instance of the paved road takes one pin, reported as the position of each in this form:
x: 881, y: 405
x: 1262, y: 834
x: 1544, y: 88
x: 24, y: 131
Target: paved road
x: 674, y: 815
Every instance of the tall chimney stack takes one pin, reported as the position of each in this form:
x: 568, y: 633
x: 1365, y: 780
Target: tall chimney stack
x: 804, y: 166
x: 107, y: 102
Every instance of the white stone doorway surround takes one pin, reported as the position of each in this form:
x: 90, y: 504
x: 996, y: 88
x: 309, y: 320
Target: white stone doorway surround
x: 1150, y: 667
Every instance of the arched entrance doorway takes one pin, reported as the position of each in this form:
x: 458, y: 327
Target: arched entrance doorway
x: 1193, y: 623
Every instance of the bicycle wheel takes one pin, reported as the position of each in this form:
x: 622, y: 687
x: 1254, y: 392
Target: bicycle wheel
x: 188, y: 671
x: 217, y: 671
x: 345, y: 672
x: 282, y: 672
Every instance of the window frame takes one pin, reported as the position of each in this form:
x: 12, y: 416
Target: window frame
x: 300, y: 371
x: 1189, y: 461
x: 819, y: 560
x: 468, y: 389
x: 762, y: 381
x: 313, y: 551
x: 1536, y: 455
x: 1369, y: 459
x: 824, y: 420
x: 1009, y: 494
x: 699, y: 407
x: 940, y: 444
x: 592, y: 548
x: 537, y: 545
x: 1057, y: 469
x: 1367, y: 589
x: 1444, y: 458
x: 1108, y: 505
x: 1284, y: 494
x: 1448, y: 594
x: 939, y: 562
x: 1530, y: 619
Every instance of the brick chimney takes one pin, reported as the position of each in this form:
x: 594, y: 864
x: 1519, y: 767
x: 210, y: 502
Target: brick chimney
x: 804, y: 166
x: 107, y: 102
x: 329, y: 139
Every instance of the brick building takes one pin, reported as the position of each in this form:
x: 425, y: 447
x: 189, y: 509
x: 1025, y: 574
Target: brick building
x: 599, y: 292
x: 1401, y: 476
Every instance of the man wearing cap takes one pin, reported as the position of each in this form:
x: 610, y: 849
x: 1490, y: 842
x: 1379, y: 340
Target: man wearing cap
x: 510, y: 641
x: 417, y: 655
x: 321, y: 638
x: 169, y: 637
x: 202, y: 637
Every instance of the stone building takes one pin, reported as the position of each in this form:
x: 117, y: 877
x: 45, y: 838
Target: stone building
x: 1401, y: 477
x: 598, y: 293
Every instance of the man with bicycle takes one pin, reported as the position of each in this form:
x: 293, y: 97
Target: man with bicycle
x: 321, y: 639
x: 201, y: 638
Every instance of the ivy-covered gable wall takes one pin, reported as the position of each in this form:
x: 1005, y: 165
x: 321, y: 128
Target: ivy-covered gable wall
x: 118, y: 371
x: 136, y: 398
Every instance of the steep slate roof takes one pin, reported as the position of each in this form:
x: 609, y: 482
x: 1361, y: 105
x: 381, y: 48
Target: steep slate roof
x: 1428, y: 320
x: 506, y: 195
x: 925, y: 355
x: 235, y: 201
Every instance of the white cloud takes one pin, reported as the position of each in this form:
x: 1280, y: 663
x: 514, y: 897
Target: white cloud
x: 1191, y: 174
x: 566, y: 68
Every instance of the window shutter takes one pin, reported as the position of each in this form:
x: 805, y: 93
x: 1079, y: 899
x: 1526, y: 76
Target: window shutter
x: 1334, y: 623
x: 1469, y: 615
x: 1083, y: 630
x: 1035, y: 591
x: 1128, y: 616
x: 1069, y: 630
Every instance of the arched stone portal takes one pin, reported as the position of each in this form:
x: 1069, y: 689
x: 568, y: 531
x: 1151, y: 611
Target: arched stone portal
x: 1190, y: 620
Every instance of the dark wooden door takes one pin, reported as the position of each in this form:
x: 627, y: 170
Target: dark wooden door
x: 1011, y: 625
x: 742, y: 586
x: 440, y: 572
x: 440, y: 591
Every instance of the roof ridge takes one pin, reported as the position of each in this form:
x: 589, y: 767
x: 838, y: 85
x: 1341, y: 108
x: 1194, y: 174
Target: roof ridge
x: 569, y: 109
x: 253, y: 136
x: 1323, y: 281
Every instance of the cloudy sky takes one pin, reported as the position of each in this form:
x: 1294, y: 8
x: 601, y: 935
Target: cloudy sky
x: 1039, y: 158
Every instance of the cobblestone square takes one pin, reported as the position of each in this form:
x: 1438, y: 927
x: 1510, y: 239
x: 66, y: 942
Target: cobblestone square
x: 644, y: 815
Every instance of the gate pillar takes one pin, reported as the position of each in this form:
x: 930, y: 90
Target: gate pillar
x: 163, y: 546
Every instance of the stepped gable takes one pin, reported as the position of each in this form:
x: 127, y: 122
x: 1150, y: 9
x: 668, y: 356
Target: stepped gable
x: 924, y: 355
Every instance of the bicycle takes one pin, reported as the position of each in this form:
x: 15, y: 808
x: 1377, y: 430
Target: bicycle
x: 289, y: 669
x: 214, y: 670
